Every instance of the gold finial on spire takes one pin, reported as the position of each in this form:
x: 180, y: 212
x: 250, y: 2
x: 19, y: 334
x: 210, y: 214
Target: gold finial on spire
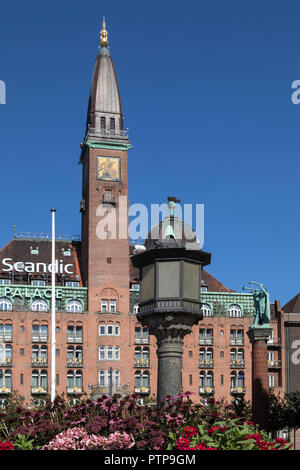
x: 103, y: 37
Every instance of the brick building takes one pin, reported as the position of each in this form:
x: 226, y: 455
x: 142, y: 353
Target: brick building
x: 100, y: 346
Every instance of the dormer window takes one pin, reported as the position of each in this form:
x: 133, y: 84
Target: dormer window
x: 38, y: 282
x: 72, y: 284
x: 135, y: 287
x: 5, y: 304
x: 34, y: 251
x: 39, y: 305
x: 66, y: 252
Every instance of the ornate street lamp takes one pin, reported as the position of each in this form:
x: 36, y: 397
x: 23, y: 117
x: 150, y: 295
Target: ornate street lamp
x: 170, y: 274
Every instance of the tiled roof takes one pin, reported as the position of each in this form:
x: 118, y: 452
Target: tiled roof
x: 293, y: 306
x: 34, y: 252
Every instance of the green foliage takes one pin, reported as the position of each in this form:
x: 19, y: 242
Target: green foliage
x: 23, y: 443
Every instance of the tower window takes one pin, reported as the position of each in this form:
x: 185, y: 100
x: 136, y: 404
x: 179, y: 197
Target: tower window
x: 103, y: 124
x: 112, y: 125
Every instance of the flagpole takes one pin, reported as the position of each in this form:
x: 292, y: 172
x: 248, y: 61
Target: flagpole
x: 53, y: 322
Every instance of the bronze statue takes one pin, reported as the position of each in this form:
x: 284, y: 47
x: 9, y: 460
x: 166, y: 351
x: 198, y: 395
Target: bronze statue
x: 261, y: 306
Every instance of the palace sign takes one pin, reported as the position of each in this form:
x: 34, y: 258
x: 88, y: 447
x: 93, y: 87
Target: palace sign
x: 28, y: 267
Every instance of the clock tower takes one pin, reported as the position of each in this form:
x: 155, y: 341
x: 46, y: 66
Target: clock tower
x: 104, y: 203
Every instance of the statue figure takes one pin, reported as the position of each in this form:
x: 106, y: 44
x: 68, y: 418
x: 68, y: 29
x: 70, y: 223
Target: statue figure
x: 261, y: 306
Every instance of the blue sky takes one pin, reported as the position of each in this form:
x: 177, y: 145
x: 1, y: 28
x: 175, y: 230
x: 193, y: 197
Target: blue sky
x: 206, y: 93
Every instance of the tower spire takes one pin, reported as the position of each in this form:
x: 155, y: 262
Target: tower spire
x: 103, y: 37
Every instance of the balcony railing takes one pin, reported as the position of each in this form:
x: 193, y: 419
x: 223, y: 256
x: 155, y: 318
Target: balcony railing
x: 75, y: 362
x: 6, y: 361
x: 111, y: 133
x: 98, y: 390
x: 74, y: 390
x: 142, y: 340
x: 142, y: 363
x: 237, y: 390
x: 39, y: 338
x: 39, y: 390
x: 207, y: 390
x: 237, y: 363
x: 206, y: 341
x: 45, y: 236
x: 274, y: 364
x: 142, y: 389
x: 237, y: 341
x: 75, y: 339
x: 206, y: 363
x: 39, y: 362
x: 6, y: 338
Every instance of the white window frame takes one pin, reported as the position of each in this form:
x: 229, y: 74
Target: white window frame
x: 38, y: 282
x: 235, y: 311
x: 37, y: 303
x: 206, y: 310
x: 113, y: 306
x: 74, y: 306
x: 72, y: 284
x: 5, y: 304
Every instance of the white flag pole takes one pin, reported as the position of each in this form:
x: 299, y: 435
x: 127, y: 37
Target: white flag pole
x: 53, y: 322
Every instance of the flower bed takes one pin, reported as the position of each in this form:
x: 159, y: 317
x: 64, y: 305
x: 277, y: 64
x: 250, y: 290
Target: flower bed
x: 121, y: 423
x: 228, y: 435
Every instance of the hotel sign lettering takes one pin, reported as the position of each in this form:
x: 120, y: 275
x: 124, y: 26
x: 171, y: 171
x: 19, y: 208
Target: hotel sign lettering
x: 27, y: 292
x: 8, y: 265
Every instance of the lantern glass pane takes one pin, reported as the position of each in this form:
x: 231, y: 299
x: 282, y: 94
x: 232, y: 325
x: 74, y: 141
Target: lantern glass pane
x: 147, y: 284
x: 168, y: 279
x: 191, y: 281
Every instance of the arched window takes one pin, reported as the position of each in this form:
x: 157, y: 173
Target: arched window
x: 102, y: 378
x: 5, y: 379
x: 117, y: 353
x: 5, y: 354
x: 117, y: 377
x: 110, y: 352
x: 240, y: 379
x: 39, y: 305
x: 137, y: 381
x: 234, y: 311
x: 74, y: 306
x: 5, y: 304
x: 206, y: 379
x: 206, y: 310
x: 74, y: 379
x: 39, y: 380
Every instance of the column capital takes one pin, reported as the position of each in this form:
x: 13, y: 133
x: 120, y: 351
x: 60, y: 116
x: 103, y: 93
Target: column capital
x: 169, y: 327
x: 259, y: 334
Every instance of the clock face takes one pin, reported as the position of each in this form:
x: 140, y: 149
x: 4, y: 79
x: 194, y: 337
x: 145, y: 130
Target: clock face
x: 108, y: 169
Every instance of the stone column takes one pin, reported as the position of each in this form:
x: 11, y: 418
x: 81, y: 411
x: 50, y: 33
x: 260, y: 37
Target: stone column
x: 169, y: 330
x: 260, y: 387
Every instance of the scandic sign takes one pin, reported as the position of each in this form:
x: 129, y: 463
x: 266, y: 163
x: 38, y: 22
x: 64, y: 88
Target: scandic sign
x: 29, y: 267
